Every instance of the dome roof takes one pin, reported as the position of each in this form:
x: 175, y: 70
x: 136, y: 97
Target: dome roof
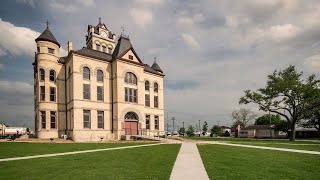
x: 156, y: 67
x: 47, y: 36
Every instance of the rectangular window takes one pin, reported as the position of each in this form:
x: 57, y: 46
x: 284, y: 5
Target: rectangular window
x: 98, y: 47
x: 156, y: 122
x: 86, y: 91
x: 126, y: 94
x: 100, y: 93
x: 52, y: 119
x: 42, y: 93
x: 50, y: 51
x: 156, y: 103
x: 131, y: 95
x: 104, y: 48
x: 130, y: 57
x: 52, y: 94
x: 147, y: 100
x: 100, y: 119
x: 43, y: 119
x: 38, y: 49
x: 86, y: 119
x: 147, y: 121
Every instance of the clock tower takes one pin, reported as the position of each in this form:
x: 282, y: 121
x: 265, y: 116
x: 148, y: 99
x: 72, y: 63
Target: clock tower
x: 100, y: 38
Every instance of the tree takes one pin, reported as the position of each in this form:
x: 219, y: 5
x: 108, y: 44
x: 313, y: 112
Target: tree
x: 190, y: 131
x: 182, y: 130
x: 204, y: 128
x: 287, y: 95
x: 280, y: 125
x: 313, y: 119
x: 243, y: 116
x: 216, y: 130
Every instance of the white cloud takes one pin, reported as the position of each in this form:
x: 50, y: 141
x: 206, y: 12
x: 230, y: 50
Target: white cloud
x: 14, y: 88
x: 71, y: 6
x: 312, y: 63
x: 283, y: 32
x: 16, y: 40
x: 185, y: 20
x: 191, y: 41
x: 1, y: 66
x: 141, y: 16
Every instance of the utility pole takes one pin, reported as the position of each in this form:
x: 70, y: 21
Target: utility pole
x: 173, y: 118
x: 199, y: 128
x: 270, y: 125
x: 167, y: 126
x: 183, y: 125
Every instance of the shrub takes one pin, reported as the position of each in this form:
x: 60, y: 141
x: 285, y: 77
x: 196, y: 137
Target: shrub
x: 226, y: 134
x: 123, y: 138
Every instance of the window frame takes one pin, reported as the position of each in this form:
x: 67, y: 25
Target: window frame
x: 130, y: 57
x: 43, y: 119
x: 86, y: 93
x: 100, y: 94
x: 88, y: 114
x: 131, y: 78
x: 155, y: 87
x: 156, y: 101
x: 99, y: 76
x: 53, y: 124
x: 98, y: 47
x: 147, y: 100
x: 131, y: 95
x: 50, y: 50
x: 52, y: 77
x: 42, y: 93
x: 148, y: 122
x: 104, y: 48
x: 147, y: 85
x: 101, y: 122
x: 86, y: 73
x: 53, y: 95
x: 42, y: 74
x: 156, y: 122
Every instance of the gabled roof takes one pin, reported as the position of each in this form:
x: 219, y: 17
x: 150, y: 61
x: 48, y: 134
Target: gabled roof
x: 122, y: 47
x: 47, y: 36
x: 156, y: 67
x: 94, y: 54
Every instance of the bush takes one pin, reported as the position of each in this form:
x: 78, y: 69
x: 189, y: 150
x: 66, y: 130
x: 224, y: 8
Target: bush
x: 123, y: 138
x: 226, y: 134
x: 139, y: 138
x: 133, y: 138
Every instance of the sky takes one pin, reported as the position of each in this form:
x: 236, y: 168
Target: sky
x: 210, y: 50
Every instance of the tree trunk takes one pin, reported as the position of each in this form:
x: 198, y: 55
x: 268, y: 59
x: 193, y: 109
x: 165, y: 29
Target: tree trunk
x: 293, y: 132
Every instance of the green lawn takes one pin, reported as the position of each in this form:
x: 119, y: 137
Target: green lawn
x: 18, y: 149
x: 152, y: 162
x: 225, y: 162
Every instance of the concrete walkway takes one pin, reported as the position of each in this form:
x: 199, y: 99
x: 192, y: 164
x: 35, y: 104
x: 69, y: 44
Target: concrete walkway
x: 189, y: 164
x: 261, y: 147
x: 75, y: 152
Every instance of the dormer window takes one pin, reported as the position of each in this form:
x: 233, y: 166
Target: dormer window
x: 98, y: 47
x: 104, y: 48
x: 130, y: 57
x: 50, y: 51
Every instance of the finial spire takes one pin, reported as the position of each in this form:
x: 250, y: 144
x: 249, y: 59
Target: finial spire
x: 122, y: 28
x: 47, y: 24
x: 155, y: 59
x: 99, y: 20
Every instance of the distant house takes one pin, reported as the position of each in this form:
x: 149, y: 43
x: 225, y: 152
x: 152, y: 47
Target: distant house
x: 225, y: 128
x: 302, y: 132
x: 257, y: 131
x: 2, y: 129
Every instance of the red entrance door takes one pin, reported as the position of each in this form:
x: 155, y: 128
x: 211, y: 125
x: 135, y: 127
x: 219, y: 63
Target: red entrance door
x: 131, y: 127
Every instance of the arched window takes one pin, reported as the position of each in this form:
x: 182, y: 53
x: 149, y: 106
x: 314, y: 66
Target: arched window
x: 130, y: 78
x: 42, y: 74
x: 147, y: 85
x: 155, y: 87
x: 99, y: 76
x: 86, y: 73
x: 131, y: 115
x: 52, y: 75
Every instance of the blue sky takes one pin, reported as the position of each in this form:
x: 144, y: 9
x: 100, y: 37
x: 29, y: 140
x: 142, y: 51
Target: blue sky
x: 209, y: 50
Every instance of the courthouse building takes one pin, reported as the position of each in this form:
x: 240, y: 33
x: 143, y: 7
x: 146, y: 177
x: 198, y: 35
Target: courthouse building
x: 99, y: 92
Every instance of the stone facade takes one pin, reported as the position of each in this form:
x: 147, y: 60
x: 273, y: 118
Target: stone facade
x: 89, y: 95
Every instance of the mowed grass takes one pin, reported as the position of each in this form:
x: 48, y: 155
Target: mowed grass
x: 300, y: 145
x: 19, y: 149
x: 152, y: 162
x: 225, y: 162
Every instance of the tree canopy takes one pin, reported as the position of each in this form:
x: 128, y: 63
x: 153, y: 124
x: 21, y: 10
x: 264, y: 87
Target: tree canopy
x: 275, y: 120
x: 286, y: 94
x: 205, y: 127
x: 243, y: 116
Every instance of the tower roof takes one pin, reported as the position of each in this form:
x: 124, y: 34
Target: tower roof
x: 156, y: 67
x: 47, y: 36
x: 122, y: 47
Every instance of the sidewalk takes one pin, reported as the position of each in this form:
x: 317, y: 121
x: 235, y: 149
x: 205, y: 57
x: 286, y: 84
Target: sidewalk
x: 188, y: 164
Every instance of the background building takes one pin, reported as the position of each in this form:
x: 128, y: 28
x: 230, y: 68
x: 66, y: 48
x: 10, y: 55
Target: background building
x: 99, y: 92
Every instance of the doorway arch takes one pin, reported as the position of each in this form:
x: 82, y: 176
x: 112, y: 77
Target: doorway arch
x: 131, y: 120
